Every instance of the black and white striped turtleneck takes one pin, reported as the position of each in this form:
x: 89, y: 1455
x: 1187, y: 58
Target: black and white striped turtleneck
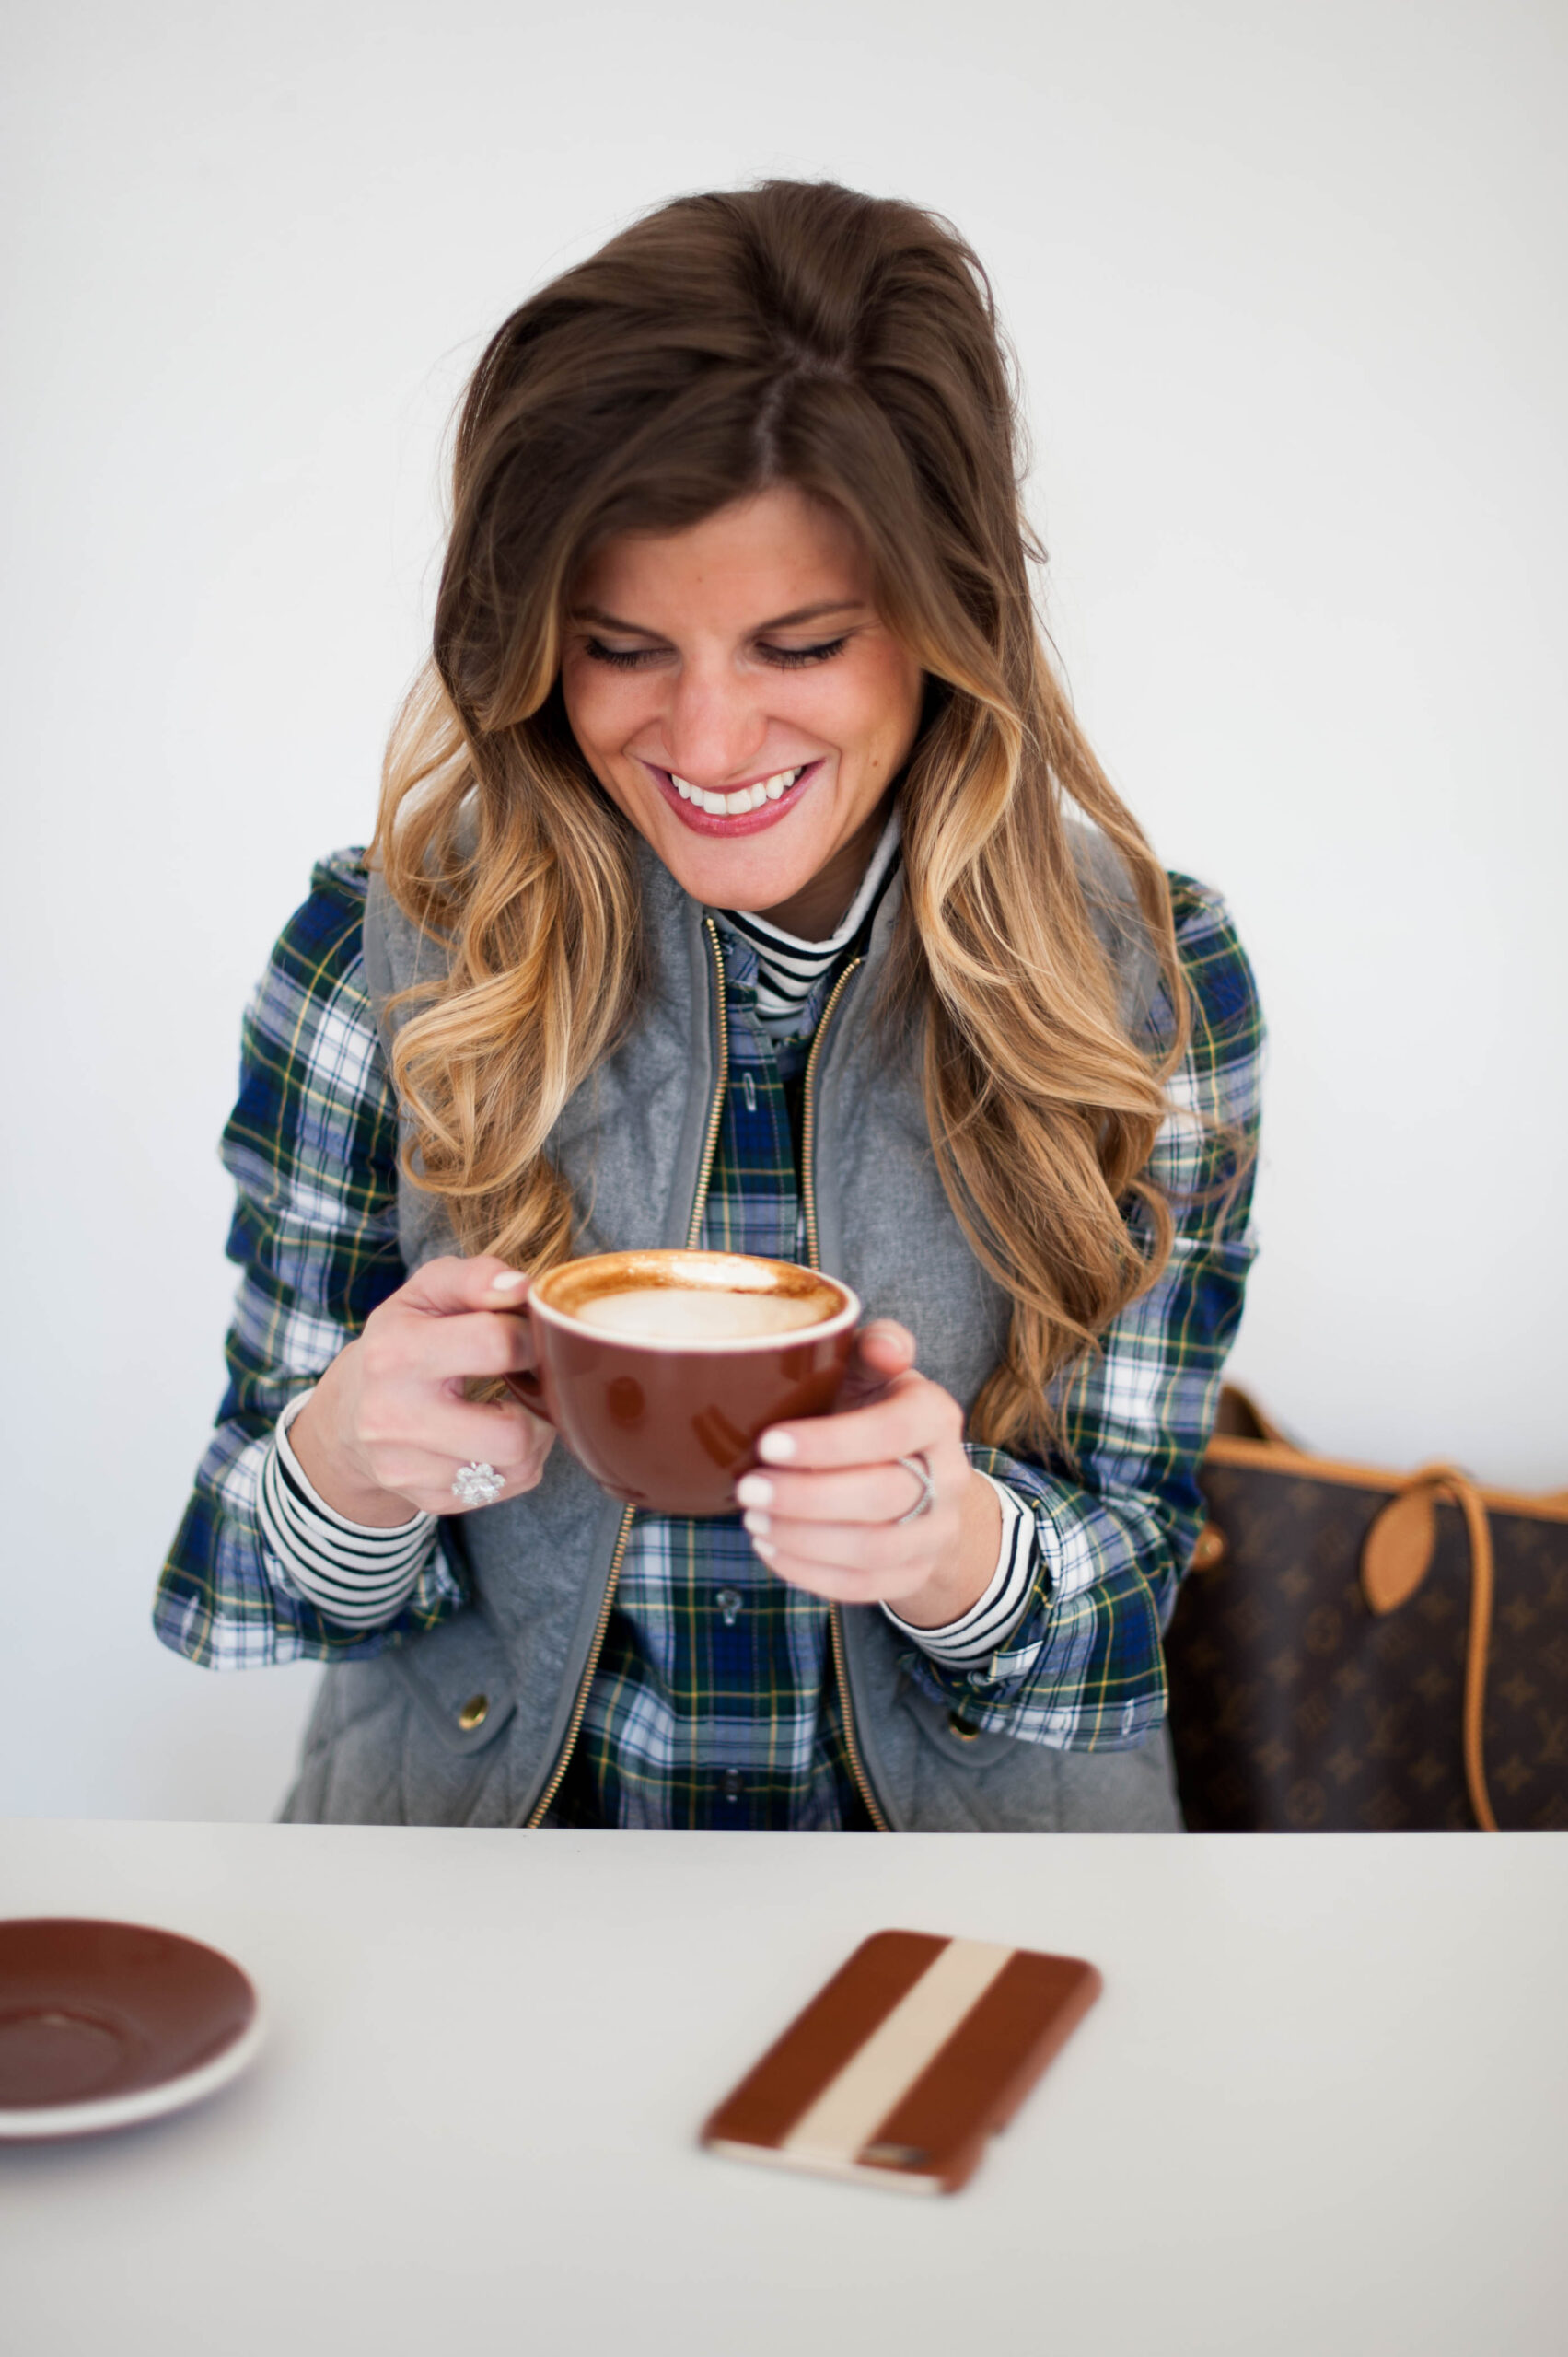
x: 787, y: 967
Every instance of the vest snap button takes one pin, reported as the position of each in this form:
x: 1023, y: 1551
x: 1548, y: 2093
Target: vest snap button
x: 474, y: 1712
x: 962, y: 1729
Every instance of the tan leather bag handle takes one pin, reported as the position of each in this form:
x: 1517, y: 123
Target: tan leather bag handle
x: 1242, y: 1418
x: 1396, y: 1556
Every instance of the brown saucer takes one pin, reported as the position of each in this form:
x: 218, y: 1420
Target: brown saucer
x: 104, y: 2023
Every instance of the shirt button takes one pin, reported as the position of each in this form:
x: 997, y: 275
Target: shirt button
x: 732, y: 1784
x: 730, y: 1601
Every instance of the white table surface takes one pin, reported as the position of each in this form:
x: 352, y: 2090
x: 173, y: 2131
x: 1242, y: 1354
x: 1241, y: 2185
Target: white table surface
x: 1320, y: 2106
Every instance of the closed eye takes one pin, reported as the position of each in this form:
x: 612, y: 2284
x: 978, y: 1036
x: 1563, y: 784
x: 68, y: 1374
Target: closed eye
x: 790, y: 658
x: 624, y: 659
x: 783, y: 658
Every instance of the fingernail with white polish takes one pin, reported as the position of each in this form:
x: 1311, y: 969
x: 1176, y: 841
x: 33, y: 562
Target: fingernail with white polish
x: 776, y: 1448
x: 765, y: 1548
x: 508, y: 1281
x: 754, y: 1490
x: 756, y: 1522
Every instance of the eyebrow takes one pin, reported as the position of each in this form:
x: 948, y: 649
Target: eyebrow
x: 778, y: 621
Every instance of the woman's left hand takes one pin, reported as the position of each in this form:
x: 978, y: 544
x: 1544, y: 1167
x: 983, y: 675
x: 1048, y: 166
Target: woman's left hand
x: 826, y: 1513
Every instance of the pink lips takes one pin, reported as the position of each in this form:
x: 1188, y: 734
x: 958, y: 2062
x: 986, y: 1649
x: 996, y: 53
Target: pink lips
x: 745, y: 822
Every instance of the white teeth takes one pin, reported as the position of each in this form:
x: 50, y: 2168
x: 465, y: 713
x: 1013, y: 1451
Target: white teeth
x: 745, y: 797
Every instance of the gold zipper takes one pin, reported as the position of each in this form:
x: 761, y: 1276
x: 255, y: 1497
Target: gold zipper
x: 579, y: 1707
x: 704, y: 1174
x: 813, y: 1255
x: 808, y: 1119
x: 715, y: 1113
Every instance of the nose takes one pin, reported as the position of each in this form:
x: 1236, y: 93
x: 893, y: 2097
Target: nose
x: 713, y: 726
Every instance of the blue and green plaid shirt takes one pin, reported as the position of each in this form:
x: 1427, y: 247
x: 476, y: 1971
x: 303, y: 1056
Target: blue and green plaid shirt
x: 715, y: 1703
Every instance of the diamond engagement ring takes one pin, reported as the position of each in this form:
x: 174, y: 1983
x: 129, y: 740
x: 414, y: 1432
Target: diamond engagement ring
x: 927, y: 1498
x: 478, y: 1485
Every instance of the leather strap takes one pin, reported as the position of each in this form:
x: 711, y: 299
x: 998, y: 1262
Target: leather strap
x: 1395, y: 1558
x: 1241, y: 1417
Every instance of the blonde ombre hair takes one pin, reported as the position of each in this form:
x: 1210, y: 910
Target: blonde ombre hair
x: 847, y: 344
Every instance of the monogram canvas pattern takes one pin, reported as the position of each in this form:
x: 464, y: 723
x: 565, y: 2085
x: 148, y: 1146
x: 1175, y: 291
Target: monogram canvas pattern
x: 1294, y: 1708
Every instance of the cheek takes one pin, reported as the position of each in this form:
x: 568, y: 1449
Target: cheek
x: 879, y: 711
x: 603, y: 706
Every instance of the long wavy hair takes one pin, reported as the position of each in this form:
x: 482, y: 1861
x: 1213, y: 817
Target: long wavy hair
x: 849, y: 345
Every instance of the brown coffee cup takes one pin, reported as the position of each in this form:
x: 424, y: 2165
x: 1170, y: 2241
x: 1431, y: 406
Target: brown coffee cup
x: 648, y: 1373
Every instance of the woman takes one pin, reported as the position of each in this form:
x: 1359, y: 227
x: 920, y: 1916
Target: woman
x: 741, y: 879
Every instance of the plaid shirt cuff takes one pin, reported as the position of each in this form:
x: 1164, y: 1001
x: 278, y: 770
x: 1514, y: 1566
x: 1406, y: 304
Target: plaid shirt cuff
x: 1081, y: 1668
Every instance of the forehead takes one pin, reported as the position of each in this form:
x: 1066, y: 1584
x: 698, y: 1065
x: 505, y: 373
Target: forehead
x: 747, y: 562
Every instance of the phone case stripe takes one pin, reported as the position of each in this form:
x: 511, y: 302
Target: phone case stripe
x: 974, y: 2083
x: 797, y: 2066
x: 917, y: 2051
x: 873, y: 2079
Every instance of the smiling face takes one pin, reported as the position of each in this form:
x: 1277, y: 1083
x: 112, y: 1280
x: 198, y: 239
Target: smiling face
x: 736, y: 694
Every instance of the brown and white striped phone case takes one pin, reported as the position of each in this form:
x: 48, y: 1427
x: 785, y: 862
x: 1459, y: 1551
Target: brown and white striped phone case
x: 916, y: 2051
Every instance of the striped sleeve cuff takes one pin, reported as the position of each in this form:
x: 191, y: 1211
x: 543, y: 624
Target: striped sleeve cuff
x: 356, y: 1575
x: 987, y: 1624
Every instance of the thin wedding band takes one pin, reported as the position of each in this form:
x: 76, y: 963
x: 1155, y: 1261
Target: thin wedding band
x: 927, y: 1498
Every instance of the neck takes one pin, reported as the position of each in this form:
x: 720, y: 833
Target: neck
x: 819, y: 907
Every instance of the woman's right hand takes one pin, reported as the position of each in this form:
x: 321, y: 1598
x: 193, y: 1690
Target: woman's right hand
x: 388, y: 1426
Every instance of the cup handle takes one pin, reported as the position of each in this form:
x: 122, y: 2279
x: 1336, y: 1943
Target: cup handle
x: 526, y: 1385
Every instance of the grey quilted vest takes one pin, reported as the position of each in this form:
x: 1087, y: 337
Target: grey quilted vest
x: 472, y: 1723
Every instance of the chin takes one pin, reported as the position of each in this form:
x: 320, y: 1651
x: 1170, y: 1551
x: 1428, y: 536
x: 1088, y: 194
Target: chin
x: 739, y: 875
x: 750, y: 870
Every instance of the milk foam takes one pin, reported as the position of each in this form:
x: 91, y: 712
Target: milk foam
x: 700, y: 1314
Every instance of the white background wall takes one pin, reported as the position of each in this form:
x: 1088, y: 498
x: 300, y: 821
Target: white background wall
x: 1287, y: 286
